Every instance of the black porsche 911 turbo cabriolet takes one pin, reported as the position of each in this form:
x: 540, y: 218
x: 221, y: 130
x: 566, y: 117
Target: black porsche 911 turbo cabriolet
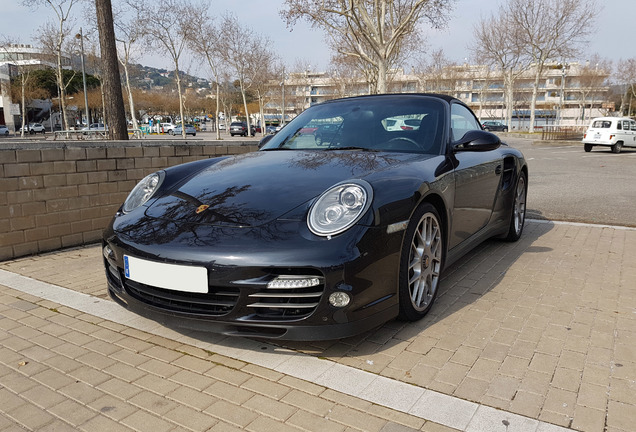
x: 305, y: 240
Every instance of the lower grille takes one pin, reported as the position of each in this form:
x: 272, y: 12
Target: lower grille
x: 285, y: 304
x: 216, y: 302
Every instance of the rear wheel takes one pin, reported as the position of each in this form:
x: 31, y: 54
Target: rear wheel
x: 587, y: 147
x: 518, y: 211
x: 420, y: 263
x: 616, y: 148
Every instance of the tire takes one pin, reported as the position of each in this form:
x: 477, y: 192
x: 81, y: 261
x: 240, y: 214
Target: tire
x: 318, y: 140
x: 170, y: 132
x: 587, y: 147
x: 421, y: 262
x: 194, y: 134
x: 518, y: 210
x: 505, y: 129
x: 31, y: 132
x: 616, y: 148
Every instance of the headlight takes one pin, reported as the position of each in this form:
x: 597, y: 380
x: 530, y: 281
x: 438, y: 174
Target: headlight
x: 338, y: 208
x: 142, y: 192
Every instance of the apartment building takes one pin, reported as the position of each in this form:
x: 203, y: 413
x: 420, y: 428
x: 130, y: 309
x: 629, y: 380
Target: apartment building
x: 14, y: 59
x: 567, y: 95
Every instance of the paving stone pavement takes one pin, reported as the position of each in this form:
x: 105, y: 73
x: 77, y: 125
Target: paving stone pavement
x: 540, y: 333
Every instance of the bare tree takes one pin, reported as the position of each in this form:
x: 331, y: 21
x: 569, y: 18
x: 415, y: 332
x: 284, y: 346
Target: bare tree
x: 626, y: 77
x: 498, y: 44
x: 115, y: 112
x: 53, y: 37
x: 24, y: 73
x: 207, y: 44
x: 371, y: 30
x: 130, y: 32
x: 437, y: 73
x: 172, y: 29
x: 242, y: 51
x: 550, y: 29
x: 590, y: 82
x: 345, y: 75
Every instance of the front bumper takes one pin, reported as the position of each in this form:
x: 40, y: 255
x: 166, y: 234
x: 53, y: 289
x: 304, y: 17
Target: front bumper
x: 363, y: 264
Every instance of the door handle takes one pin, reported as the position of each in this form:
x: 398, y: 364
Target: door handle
x: 498, y: 170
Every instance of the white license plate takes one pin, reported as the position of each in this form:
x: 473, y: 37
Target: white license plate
x: 168, y: 276
x: 597, y: 136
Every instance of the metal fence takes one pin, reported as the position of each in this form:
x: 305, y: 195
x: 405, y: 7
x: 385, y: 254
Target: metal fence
x: 562, y: 132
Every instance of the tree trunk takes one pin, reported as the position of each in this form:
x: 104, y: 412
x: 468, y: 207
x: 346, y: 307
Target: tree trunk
x: 247, y: 114
x: 382, y: 71
x: 131, y: 102
x: 24, y: 110
x: 533, y: 101
x: 116, y: 115
x: 216, y: 116
x: 183, y: 129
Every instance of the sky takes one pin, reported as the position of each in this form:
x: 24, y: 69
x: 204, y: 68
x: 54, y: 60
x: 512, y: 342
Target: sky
x: 304, y: 45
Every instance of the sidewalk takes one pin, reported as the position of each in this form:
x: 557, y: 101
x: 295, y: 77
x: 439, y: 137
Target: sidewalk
x: 532, y: 336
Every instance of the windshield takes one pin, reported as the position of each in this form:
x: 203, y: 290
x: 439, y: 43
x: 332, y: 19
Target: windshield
x: 400, y: 123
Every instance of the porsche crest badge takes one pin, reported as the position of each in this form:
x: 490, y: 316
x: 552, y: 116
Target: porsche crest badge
x: 202, y: 208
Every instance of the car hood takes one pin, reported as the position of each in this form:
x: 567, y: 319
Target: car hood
x: 255, y: 188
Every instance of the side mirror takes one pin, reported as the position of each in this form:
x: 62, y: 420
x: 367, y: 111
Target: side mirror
x: 477, y: 140
x: 264, y: 140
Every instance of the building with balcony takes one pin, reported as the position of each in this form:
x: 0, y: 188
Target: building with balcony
x: 568, y: 94
x: 14, y: 60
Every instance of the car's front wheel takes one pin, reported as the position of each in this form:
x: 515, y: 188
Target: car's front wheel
x: 421, y: 263
x: 518, y: 210
x: 616, y: 148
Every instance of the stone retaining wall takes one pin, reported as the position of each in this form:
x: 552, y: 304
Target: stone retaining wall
x: 60, y: 194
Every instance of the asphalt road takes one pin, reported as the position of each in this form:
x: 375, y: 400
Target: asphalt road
x: 567, y: 184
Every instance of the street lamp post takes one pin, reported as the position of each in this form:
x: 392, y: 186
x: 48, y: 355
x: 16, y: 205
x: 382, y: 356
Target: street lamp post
x: 80, y: 36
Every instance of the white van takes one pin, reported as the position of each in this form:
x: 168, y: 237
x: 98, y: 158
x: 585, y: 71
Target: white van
x: 616, y: 132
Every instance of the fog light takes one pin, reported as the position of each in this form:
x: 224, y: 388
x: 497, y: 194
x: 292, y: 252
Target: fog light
x: 339, y: 299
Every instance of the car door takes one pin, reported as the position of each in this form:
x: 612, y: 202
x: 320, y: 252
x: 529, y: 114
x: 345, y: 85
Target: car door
x: 630, y: 141
x: 477, y: 177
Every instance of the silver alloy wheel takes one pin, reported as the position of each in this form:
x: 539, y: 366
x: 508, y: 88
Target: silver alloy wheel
x: 425, y: 262
x: 519, y: 206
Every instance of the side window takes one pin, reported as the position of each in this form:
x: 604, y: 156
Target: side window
x: 462, y: 121
x: 619, y: 126
x: 633, y: 123
x: 626, y: 124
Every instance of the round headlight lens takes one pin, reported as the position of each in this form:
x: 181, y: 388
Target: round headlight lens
x: 141, y: 193
x: 337, y: 209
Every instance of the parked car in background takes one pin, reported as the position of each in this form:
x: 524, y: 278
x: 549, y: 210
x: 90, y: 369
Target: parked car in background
x: 491, y: 125
x: 240, y: 128
x: 325, y: 133
x: 615, y: 132
x: 299, y: 241
x: 34, y: 128
x: 189, y: 130
x: 4, y: 131
x: 167, y: 127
